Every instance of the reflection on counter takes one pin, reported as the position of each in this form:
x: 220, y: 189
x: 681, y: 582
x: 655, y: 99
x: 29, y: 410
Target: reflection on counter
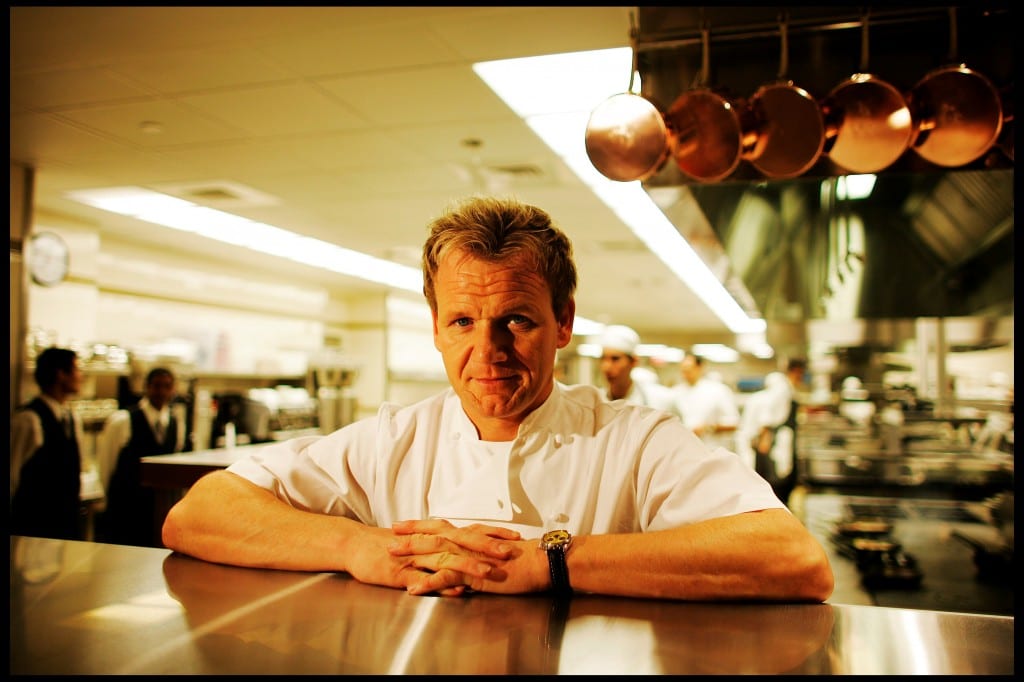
x: 90, y: 608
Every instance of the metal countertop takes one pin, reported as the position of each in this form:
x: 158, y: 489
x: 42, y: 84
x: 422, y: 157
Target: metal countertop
x: 89, y: 608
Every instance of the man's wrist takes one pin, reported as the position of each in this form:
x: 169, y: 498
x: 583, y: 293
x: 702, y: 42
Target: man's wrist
x: 555, y: 544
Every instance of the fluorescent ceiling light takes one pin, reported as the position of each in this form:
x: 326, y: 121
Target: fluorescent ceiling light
x: 854, y: 186
x: 716, y: 352
x: 179, y: 214
x: 555, y: 95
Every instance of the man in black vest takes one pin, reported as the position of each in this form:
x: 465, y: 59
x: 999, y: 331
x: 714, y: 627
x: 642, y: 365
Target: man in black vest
x: 45, y: 453
x: 776, y: 451
x: 148, y: 428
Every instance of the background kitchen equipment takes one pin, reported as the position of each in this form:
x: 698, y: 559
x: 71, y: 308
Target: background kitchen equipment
x: 957, y: 111
x: 789, y: 133
x: 278, y: 413
x: 331, y: 376
x: 867, y: 120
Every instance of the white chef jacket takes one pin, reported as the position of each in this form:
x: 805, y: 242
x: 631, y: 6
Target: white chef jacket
x: 767, y: 408
x: 652, y: 395
x: 579, y: 462
x: 708, y: 402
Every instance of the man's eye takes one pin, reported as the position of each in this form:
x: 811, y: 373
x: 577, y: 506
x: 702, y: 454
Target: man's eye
x: 462, y: 322
x: 519, y: 320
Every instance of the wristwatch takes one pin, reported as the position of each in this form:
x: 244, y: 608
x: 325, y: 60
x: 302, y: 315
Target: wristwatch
x: 556, y: 543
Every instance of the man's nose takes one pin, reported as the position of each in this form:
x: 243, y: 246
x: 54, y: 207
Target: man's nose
x: 491, y: 342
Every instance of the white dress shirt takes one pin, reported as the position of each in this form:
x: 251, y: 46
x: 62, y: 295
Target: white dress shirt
x: 117, y: 431
x: 579, y: 462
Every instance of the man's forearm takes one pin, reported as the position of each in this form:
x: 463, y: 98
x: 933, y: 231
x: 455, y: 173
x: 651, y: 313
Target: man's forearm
x: 757, y: 555
x: 226, y: 519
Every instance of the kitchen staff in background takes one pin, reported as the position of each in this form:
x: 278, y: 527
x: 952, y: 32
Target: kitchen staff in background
x: 760, y: 415
x: 46, y: 462
x: 783, y: 453
x: 452, y: 493
x: 707, y: 405
x: 619, y: 367
x: 766, y: 438
x: 147, y: 428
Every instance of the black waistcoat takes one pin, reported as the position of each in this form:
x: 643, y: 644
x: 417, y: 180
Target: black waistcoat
x: 46, y: 502
x: 129, y: 516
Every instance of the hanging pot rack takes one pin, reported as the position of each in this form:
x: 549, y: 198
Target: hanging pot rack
x: 725, y: 33
x: 668, y: 40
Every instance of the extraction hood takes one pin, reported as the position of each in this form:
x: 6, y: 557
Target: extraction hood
x: 928, y: 242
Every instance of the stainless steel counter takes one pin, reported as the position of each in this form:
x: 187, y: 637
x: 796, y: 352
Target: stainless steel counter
x: 87, y: 608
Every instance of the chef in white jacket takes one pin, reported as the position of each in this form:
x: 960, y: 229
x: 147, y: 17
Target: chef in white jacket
x: 766, y: 437
x: 625, y: 378
x: 707, y: 405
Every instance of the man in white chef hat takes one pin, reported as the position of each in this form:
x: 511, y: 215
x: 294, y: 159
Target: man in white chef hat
x: 626, y: 379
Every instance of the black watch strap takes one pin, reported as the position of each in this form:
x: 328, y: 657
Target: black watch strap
x: 559, y: 572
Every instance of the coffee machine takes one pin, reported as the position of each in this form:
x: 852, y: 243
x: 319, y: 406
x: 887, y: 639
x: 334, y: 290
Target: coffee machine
x: 331, y: 376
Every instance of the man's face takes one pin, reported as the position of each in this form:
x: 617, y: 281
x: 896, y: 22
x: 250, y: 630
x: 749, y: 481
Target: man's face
x: 498, y: 337
x: 160, y: 390
x: 690, y: 370
x: 616, y: 367
x: 71, y: 382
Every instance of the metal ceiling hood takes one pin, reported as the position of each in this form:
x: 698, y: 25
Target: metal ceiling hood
x: 928, y: 242
x: 920, y: 246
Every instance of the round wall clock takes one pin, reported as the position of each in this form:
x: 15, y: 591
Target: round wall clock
x: 48, y: 258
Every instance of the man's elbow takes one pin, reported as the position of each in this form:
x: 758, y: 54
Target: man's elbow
x: 814, y: 580
x: 172, y: 532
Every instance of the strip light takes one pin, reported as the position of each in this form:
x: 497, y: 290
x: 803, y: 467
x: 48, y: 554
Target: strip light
x: 555, y: 94
x: 179, y: 214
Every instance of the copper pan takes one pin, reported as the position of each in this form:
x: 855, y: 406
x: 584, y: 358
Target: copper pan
x: 707, y: 126
x: 627, y: 138
x: 788, y: 132
x: 958, y: 110
x: 868, y: 124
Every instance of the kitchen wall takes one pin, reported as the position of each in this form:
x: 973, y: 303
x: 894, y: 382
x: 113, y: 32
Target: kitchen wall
x: 220, y: 320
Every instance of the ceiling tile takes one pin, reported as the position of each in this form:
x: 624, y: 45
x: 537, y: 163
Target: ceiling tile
x: 347, y: 49
x: 181, y: 125
x: 202, y: 69
x: 70, y: 87
x: 276, y: 109
x: 413, y: 97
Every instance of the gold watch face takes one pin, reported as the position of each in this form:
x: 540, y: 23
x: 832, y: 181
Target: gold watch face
x: 555, y: 538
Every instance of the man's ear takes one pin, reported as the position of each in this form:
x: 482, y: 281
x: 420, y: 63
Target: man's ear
x: 565, y: 322
x: 433, y: 322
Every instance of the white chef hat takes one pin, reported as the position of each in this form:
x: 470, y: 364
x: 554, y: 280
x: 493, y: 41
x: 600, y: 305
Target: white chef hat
x: 621, y: 338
